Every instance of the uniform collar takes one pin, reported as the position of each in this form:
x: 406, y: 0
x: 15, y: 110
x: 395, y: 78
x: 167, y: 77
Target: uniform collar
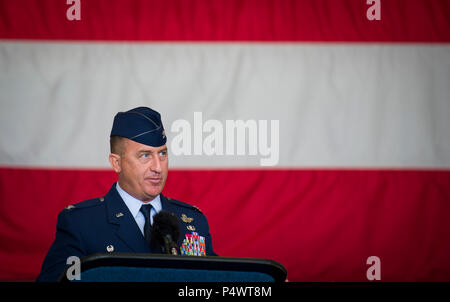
x: 134, y: 205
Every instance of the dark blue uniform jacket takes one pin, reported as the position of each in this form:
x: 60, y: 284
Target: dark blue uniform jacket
x: 104, y: 224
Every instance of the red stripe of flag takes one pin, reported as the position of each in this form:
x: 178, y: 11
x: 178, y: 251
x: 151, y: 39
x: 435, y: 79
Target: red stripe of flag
x: 309, y: 220
x: 228, y: 20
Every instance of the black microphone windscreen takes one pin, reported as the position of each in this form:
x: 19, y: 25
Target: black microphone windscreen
x: 165, y: 223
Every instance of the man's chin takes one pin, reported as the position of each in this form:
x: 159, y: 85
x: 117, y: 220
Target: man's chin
x: 153, y: 191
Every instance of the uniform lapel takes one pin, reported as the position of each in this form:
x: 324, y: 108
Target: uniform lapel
x: 128, y: 231
x: 166, y: 205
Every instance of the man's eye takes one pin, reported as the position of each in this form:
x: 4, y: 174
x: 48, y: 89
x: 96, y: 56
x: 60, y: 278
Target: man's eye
x: 163, y: 153
x: 144, y: 155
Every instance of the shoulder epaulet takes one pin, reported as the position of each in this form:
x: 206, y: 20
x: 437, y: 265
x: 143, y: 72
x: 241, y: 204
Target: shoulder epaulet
x: 183, y: 204
x: 85, y: 204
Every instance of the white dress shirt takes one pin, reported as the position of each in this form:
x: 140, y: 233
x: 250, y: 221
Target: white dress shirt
x: 134, y: 205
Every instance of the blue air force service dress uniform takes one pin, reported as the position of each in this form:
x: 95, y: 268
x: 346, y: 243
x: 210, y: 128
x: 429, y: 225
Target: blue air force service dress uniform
x: 106, y: 224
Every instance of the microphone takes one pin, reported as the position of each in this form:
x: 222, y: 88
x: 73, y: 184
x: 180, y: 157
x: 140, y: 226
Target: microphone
x: 166, y: 230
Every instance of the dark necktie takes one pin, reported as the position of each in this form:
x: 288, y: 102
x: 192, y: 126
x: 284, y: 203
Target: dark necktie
x: 145, y: 210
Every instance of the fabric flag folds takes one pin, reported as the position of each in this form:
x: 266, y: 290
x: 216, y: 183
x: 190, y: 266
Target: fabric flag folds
x: 306, y: 132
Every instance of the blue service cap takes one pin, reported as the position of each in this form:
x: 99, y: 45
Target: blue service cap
x: 142, y: 125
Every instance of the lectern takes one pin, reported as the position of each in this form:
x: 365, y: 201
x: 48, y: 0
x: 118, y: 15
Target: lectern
x: 129, y: 267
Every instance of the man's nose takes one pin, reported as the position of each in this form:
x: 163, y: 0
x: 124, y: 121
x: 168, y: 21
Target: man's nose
x: 156, y: 164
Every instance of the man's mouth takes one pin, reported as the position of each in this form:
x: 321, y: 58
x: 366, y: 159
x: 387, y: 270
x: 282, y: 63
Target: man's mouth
x: 153, y: 180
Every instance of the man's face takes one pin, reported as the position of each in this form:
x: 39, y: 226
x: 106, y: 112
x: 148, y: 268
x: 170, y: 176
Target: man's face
x: 142, y: 169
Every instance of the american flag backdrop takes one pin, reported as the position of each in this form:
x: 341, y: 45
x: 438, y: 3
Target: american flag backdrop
x: 346, y: 107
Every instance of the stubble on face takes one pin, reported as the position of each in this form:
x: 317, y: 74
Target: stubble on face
x: 143, y: 170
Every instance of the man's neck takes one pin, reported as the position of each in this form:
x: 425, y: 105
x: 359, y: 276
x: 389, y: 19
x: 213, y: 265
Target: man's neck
x: 129, y: 192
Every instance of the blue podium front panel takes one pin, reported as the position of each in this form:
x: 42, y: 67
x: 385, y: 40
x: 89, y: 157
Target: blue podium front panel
x: 147, y: 274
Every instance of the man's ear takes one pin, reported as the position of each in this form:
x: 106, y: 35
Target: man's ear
x: 114, y: 160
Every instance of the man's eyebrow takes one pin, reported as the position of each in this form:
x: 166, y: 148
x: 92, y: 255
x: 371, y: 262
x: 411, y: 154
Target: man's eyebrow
x: 151, y: 151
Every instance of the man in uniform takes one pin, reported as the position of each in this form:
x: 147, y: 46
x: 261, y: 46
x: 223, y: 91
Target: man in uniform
x: 121, y: 220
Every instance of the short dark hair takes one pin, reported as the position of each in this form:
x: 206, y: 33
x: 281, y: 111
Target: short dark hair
x: 116, y: 144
